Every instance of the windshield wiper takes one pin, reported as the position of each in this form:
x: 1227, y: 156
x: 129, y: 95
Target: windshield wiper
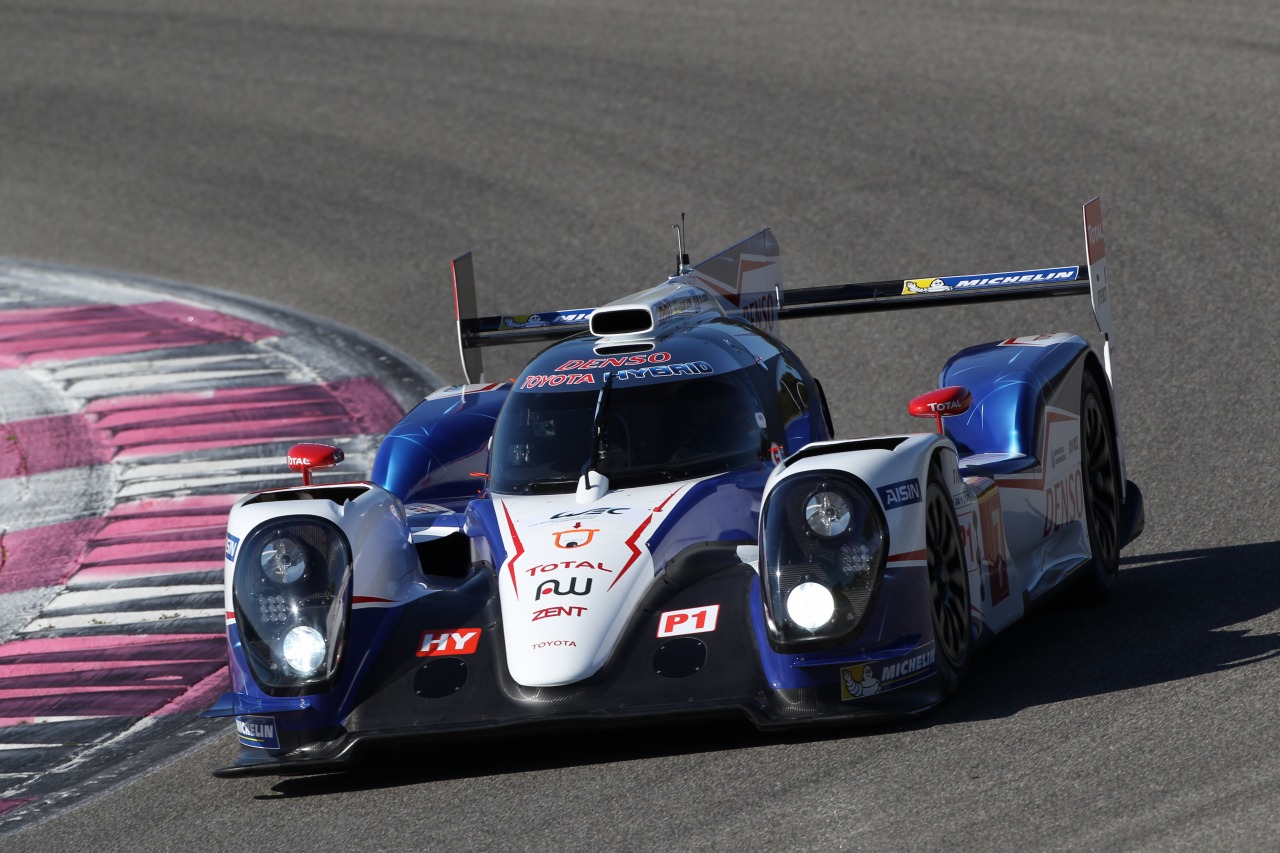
x: 547, y: 485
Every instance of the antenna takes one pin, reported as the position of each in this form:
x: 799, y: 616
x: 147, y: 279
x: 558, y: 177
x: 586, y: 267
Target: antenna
x: 682, y: 254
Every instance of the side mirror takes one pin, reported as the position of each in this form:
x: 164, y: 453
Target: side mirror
x: 942, y: 403
x: 307, y: 457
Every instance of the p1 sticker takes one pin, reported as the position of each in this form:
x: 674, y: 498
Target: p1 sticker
x: 695, y: 620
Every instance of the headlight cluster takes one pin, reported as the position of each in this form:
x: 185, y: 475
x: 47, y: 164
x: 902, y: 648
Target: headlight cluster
x: 292, y: 593
x: 823, y: 548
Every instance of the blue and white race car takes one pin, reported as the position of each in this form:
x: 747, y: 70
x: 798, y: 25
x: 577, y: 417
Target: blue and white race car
x: 655, y: 519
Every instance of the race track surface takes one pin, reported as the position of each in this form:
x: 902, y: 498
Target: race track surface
x: 331, y: 157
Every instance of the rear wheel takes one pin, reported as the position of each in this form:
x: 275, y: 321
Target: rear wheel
x: 948, y: 584
x: 1100, y: 467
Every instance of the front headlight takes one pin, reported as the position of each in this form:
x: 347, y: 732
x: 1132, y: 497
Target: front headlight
x: 822, y: 549
x: 828, y: 513
x: 284, y: 559
x: 292, y: 596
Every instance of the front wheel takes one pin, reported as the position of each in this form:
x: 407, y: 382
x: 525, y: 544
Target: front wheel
x: 948, y: 584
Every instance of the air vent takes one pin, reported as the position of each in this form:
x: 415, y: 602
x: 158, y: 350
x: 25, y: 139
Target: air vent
x: 629, y: 348
x: 629, y: 320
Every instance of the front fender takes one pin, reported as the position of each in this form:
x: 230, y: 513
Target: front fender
x: 895, y: 468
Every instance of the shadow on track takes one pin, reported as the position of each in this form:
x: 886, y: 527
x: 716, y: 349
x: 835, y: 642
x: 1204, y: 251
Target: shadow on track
x: 1173, y: 616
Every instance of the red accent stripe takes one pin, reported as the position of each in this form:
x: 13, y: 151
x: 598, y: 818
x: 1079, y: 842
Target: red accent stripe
x: 667, y: 500
x: 635, y: 552
x: 371, y: 599
x: 909, y: 556
x: 511, y: 561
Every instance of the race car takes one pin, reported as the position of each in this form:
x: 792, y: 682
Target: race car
x: 656, y: 519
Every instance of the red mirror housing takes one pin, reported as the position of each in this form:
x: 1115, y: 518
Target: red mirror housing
x: 942, y: 403
x: 307, y: 457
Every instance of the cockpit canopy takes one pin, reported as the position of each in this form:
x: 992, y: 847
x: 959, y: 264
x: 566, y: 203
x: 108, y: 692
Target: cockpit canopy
x: 652, y: 433
x: 712, y: 398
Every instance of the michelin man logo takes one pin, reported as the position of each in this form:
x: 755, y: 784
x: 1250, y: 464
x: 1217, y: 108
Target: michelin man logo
x: 924, y: 285
x: 857, y: 682
x: 524, y: 321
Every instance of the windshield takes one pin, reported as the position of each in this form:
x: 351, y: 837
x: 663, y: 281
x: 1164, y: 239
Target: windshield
x: 653, y: 432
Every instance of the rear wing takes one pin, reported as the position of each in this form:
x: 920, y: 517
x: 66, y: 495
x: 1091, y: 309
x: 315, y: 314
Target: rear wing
x: 748, y: 277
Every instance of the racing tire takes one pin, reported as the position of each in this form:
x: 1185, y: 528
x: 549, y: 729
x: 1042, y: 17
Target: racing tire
x: 948, y: 584
x: 1100, y: 470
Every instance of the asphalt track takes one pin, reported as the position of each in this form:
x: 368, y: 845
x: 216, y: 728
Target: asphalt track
x: 332, y: 156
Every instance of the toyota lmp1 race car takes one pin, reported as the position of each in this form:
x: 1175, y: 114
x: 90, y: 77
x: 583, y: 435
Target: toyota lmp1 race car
x: 655, y: 518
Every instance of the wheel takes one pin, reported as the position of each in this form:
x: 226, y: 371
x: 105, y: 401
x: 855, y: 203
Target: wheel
x: 1100, y: 469
x: 948, y: 583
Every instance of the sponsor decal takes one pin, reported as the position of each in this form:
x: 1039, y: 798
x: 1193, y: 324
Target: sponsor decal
x: 555, y: 644
x: 619, y: 361
x: 945, y: 407
x: 900, y: 494
x: 691, y: 368
x: 1062, y: 453
x: 1097, y: 247
x: 694, y: 620
x: 908, y: 667
x: 594, y: 511
x: 568, y: 564
x: 551, y: 586
x: 776, y: 454
x: 551, y: 612
x: 941, y: 284
x: 546, y: 318
x: 688, y: 301
x: 1063, y: 502
x: 858, y: 681
x: 575, y: 538
x: 1035, y: 340
x: 924, y: 285
x: 551, y: 380
x: 258, y: 732
x: 233, y: 545
x: 762, y: 312
x: 861, y: 680
x: 990, y: 526
x: 463, y: 641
